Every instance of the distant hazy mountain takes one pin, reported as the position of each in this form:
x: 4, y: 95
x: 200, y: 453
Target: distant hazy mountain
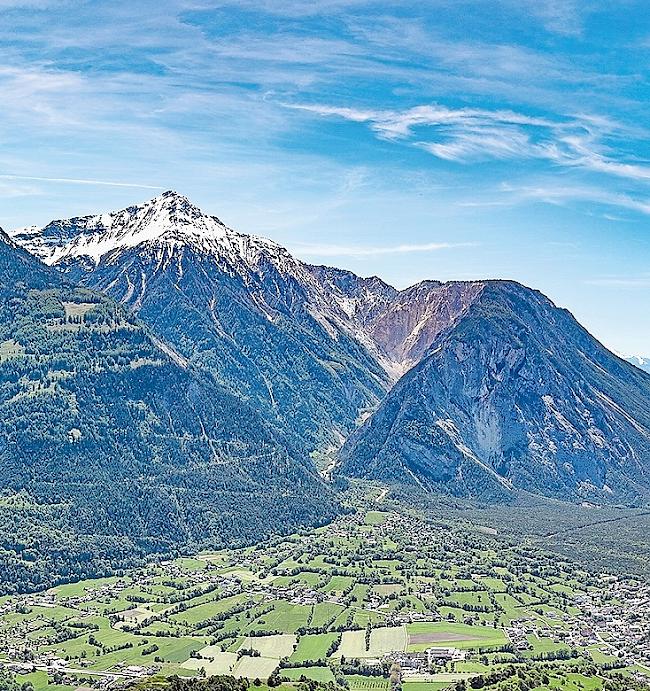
x: 513, y: 394
x: 640, y: 362
x: 497, y: 389
x: 114, y: 448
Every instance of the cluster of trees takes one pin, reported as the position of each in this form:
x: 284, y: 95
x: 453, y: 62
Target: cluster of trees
x: 527, y: 677
x: 220, y: 683
x: 8, y: 683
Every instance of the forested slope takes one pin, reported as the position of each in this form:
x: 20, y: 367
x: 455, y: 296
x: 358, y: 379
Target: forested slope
x: 110, y: 450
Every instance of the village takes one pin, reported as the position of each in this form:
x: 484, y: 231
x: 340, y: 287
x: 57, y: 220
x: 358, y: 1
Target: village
x: 373, y: 590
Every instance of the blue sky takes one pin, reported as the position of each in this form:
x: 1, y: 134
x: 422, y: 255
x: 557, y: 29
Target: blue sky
x: 431, y: 139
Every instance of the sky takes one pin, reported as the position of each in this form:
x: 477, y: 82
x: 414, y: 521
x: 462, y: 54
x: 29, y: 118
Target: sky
x: 444, y: 139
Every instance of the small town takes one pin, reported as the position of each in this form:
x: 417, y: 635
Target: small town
x: 338, y: 592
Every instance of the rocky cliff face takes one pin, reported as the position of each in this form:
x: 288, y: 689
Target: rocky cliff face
x: 405, y: 329
x: 513, y: 395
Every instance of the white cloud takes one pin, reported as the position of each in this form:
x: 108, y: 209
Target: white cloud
x: 562, y: 194
x: 78, y: 181
x: 469, y: 134
x: 306, y: 250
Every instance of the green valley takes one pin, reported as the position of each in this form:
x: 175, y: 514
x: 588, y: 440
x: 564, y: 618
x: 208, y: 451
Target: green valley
x: 381, y: 593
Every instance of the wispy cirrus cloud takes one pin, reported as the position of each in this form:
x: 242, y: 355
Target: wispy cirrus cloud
x: 400, y: 124
x: 470, y: 134
x: 78, y: 181
x: 9, y: 190
x: 563, y: 194
x: 624, y: 282
x: 564, y: 17
x: 323, y: 250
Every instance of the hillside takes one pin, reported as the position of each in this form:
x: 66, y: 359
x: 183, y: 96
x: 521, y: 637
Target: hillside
x: 473, y: 388
x: 238, y: 307
x: 515, y: 395
x: 110, y: 449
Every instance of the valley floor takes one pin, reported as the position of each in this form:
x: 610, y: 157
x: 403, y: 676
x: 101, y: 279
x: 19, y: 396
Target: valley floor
x: 380, y: 587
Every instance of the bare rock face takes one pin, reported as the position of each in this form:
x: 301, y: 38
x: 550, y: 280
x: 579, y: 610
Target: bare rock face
x: 408, y: 326
x: 515, y: 395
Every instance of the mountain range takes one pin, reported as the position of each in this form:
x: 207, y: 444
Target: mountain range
x: 162, y: 349
x: 238, y: 307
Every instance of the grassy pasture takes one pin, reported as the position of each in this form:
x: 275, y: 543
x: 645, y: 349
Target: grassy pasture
x: 445, y: 634
x: 201, y: 612
x: 338, y: 584
x: 313, y: 647
x: 544, y: 645
x: 285, y: 617
x: 40, y: 682
x: 10, y: 349
x: 572, y: 682
x: 424, y: 685
x: 323, y: 674
x: 376, y: 517
x: 387, y: 588
x: 324, y: 612
x: 77, y: 309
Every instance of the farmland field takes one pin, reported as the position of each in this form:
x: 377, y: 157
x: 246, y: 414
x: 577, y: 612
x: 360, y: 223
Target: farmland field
x: 255, y: 667
x: 212, y: 662
x: 336, y: 605
x: 444, y: 634
x: 313, y: 646
x: 382, y: 640
x: 323, y: 674
x: 361, y: 683
x: 278, y: 646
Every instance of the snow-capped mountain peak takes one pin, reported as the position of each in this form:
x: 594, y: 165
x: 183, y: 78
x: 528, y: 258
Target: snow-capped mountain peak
x: 169, y: 219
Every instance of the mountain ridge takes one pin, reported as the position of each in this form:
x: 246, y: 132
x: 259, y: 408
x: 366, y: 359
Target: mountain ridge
x: 239, y: 307
x: 163, y: 228
x: 513, y: 394
x: 115, y: 449
x: 318, y: 349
